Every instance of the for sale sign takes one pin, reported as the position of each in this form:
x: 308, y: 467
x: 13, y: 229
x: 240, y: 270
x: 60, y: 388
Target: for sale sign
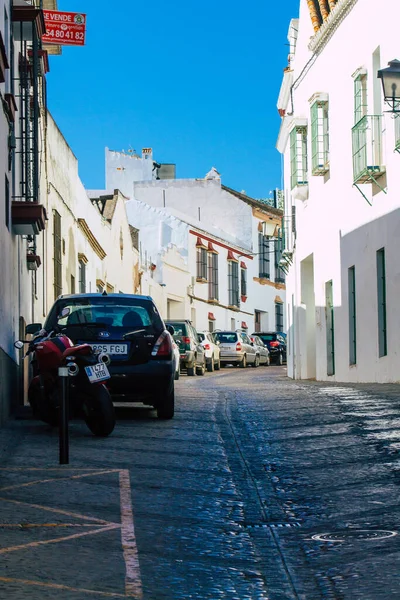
x: 64, y: 28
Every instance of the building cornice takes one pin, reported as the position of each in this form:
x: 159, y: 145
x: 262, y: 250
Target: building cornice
x: 217, y: 242
x: 330, y: 25
x: 91, y: 239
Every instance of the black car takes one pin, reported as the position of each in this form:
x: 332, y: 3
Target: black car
x: 276, y: 342
x: 128, y: 328
x: 190, y: 348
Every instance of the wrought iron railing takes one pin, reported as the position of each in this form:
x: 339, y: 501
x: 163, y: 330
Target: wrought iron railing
x: 367, y: 149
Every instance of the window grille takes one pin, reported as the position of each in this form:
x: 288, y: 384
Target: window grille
x: 213, y: 276
x: 298, y: 156
x: 319, y: 138
x: 72, y: 284
x: 360, y: 97
x: 7, y: 202
x: 202, y: 264
x: 82, y: 277
x: 279, y: 273
x: 330, y: 328
x: 243, y: 282
x: 397, y: 132
x: 263, y: 256
x: 278, y: 316
x: 233, y: 283
x: 57, y: 254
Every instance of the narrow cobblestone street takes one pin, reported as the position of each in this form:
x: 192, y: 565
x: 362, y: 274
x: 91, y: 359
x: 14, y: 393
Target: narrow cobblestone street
x: 259, y: 488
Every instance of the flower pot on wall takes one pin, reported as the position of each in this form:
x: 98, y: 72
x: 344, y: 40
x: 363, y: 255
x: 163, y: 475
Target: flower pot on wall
x: 33, y: 262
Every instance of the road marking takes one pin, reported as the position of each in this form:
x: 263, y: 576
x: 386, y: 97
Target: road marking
x: 133, y: 583
x: 57, y: 586
x: 52, y: 479
x: 29, y: 525
x: 57, y: 540
x: 57, y: 511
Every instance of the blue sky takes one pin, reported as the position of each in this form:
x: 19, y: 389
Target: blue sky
x: 197, y: 82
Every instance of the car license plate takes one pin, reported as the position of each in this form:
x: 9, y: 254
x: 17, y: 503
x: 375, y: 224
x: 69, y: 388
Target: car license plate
x: 112, y: 349
x: 97, y: 372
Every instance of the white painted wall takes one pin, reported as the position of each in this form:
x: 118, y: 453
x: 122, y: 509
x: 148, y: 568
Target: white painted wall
x: 335, y: 223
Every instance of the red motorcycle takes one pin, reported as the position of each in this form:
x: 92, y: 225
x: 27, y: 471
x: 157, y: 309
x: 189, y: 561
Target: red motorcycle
x: 87, y: 370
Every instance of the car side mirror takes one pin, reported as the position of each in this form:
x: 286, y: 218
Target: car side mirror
x: 33, y: 328
x: 170, y: 329
x: 19, y: 345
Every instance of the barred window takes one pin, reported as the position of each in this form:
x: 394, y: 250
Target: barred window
x: 278, y: 316
x: 213, y: 276
x: 243, y: 282
x: 279, y: 273
x: 82, y: 277
x: 233, y: 283
x: 202, y: 264
x: 263, y: 256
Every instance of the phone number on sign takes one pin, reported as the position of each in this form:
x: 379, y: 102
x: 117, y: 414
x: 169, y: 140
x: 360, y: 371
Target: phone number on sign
x: 66, y: 35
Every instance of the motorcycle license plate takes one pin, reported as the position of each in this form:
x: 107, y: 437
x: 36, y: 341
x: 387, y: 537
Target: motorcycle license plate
x: 97, y: 372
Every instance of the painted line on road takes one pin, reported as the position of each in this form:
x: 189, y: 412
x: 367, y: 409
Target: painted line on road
x: 57, y: 540
x: 58, y: 586
x: 58, y: 511
x: 53, y: 479
x: 133, y: 582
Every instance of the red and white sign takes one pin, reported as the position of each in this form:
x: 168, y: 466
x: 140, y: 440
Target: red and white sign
x: 64, y: 28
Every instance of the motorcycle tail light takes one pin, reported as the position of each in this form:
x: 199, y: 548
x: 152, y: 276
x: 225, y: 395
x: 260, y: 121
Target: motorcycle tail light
x: 163, y: 346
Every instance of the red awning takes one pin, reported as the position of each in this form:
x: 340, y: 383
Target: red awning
x: 211, y: 248
x: 243, y: 265
x: 200, y: 243
x: 231, y: 256
x: 244, y: 325
x: 211, y: 316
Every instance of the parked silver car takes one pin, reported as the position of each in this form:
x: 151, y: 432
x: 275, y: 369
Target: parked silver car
x: 236, y: 348
x: 262, y: 350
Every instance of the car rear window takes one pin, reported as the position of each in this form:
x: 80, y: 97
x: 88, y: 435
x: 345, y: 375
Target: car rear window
x: 225, y: 338
x: 180, y: 329
x: 268, y: 337
x: 127, y: 313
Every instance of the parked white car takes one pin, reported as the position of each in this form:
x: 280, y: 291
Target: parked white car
x: 211, y: 350
x: 177, y: 360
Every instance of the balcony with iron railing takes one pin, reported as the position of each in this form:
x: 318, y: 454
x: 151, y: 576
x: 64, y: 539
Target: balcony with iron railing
x: 368, y: 162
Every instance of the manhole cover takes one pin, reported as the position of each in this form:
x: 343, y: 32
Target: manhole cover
x: 354, y: 535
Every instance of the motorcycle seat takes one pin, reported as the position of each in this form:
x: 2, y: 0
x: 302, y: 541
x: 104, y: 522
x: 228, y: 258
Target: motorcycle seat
x: 81, y: 349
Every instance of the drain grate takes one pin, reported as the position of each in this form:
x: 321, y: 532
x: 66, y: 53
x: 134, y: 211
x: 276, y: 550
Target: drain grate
x: 354, y: 535
x: 270, y: 525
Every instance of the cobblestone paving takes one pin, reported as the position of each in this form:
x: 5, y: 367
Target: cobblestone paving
x: 260, y: 488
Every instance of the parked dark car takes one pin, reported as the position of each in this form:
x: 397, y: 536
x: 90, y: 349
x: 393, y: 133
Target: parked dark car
x: 129, y: 329
x: 190, y: 348
x: 276, y: 343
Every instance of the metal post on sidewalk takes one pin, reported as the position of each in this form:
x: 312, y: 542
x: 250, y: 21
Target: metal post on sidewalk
x: 64, y: 417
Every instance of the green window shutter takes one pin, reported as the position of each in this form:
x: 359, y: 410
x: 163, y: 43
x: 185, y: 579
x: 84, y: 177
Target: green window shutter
x: 381, y: 286
x: 352, y: 316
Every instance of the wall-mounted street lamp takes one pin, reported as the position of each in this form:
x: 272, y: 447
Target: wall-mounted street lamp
x: 390, y: 78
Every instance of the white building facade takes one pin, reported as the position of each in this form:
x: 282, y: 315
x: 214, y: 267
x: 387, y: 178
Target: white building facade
x: 342, y: 204
x: 211, y: 252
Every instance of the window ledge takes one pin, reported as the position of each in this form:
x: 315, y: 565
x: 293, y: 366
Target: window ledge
x: 201, y: 280
x: 232, y: 307
x: 213, y: 301
x: 300, y: 191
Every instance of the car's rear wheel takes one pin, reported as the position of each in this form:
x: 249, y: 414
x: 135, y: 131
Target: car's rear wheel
x: 210, y: 366
x: 201, y: 370
x: 268, y: 362
x: 217, y: 365
x: 177, y: 375
x: 256, y: 362
x: 243, y: 363
x: 279, y: 360
x: 191, y: 371
x: 166, y: 405
x: 99, y: 413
